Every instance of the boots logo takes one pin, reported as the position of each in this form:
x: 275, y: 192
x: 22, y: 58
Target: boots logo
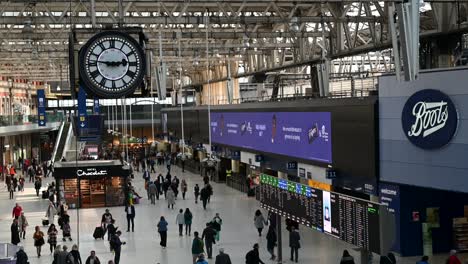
x: 429, y: 119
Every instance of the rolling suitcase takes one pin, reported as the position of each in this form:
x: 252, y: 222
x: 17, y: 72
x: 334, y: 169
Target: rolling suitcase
x: 45, y: 222
x: 98, y: 232
x: 45, y: 195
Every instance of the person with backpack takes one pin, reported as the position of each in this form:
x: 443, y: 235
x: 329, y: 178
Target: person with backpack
x: 188, y: 221
x: 209, y: 235
x: 253, y: 256
x: 162, y: 230
x: 217, y: 222
x: 197, y: 247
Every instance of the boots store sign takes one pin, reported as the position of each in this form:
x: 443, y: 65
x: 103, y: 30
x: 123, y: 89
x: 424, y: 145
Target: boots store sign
x: 429, y: 119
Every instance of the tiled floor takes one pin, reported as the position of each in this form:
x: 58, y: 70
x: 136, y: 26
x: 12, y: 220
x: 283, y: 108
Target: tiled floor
x: 237, y: 236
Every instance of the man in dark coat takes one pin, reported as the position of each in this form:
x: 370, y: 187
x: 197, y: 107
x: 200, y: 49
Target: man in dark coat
x: 116, y: 245
x: 253, y: 257
x: 222, y: 258
x: 21, y: 256
x: 294, y: 243
x: 204, y: 195
x: 15, y: 238
x: 209, y: 235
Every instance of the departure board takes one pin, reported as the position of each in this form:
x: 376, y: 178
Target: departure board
x: 350, y: 219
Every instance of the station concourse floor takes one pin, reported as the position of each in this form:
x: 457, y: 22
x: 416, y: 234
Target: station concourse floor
x: 238, y: 233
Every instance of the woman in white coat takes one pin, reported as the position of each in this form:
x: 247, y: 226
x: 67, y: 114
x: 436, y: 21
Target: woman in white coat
x: 51, y: 212
x: 170, y: 196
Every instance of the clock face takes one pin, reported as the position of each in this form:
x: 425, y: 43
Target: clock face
x: 112, y: 65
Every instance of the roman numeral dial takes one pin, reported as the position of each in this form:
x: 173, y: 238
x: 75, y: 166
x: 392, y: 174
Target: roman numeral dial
x: 112, y: 64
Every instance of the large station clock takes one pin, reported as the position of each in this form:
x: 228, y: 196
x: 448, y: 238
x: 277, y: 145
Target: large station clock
x: 112, y: 65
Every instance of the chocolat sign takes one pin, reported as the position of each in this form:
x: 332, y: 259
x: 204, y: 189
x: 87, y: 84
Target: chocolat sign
x: 429, y: 119
x: 91, y: 172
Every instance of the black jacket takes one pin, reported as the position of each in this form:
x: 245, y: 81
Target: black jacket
x: 21, y: 257
x: 253, y: 257
x: 15, y: 239
x: 96, y: 260
x: 116, y: 243
x: 294, y: 239
x: 223, y: 258
x: 132, y: 211
x: 204, y: 194
x: 209, y: 234
x: 103, y: 219
x: 347, y: 260
x: 271, y: 238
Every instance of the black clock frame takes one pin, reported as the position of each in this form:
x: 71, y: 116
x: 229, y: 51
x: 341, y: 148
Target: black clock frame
x: 97, y: 91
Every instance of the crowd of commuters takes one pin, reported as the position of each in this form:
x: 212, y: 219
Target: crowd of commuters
x: 166, y: 187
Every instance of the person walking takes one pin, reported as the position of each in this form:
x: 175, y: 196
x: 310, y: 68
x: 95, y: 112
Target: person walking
x: 51, y: 212
x: 196, y: 192
x: 21, y: 256
x: 152, y: 163
x: 52, y: 240
x: 22, y: 224
x: 130, y: 211
x: 170, y: 196
x: 66, y: 228
x: 106, y: 220
x: 294, y: 244
x: 253, y: 256
x: 10, y: 190
x: 15, y: 238
x: 197, y: 247
x: 180, y: 220
x: 204, y: 195
x: 37, y: 186
x: 346, y: 258
x: 271, y: 241
x: 259, y: 222
x: 209, y: 235
x: 162, y: 230
x: 222, y: 258
x: 188, y: 221
x: 184, y: 188
x: 116, y: 245
x: 217, y: 222
x: 16, y: 211
x: 76, y: 254
x: 153, y: 191
x: 38, y: 237
x: 92, y: 259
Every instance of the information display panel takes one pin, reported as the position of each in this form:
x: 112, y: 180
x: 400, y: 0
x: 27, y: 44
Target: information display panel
x: 350, y: 219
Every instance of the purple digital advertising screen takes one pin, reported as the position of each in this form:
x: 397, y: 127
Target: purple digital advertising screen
x: 305, y: 135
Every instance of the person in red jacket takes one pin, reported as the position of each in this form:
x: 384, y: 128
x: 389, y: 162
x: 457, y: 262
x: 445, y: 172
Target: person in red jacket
x: 453, y: 259
x: 16, y: 211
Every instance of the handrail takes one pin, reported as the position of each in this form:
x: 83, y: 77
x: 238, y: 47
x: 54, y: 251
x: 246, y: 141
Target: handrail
x: 54, y: 153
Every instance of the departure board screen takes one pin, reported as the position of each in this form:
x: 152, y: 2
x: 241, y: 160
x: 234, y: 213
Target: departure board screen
x: 350, y: 219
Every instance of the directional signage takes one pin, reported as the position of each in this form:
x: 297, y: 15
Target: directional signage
x: 82, y: 115
x: 41, y: 107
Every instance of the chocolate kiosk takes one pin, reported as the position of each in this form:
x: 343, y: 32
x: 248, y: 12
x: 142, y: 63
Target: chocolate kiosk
x: 99, y: 183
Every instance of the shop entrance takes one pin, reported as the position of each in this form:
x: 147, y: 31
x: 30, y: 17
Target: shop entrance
x: 93, y: 193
